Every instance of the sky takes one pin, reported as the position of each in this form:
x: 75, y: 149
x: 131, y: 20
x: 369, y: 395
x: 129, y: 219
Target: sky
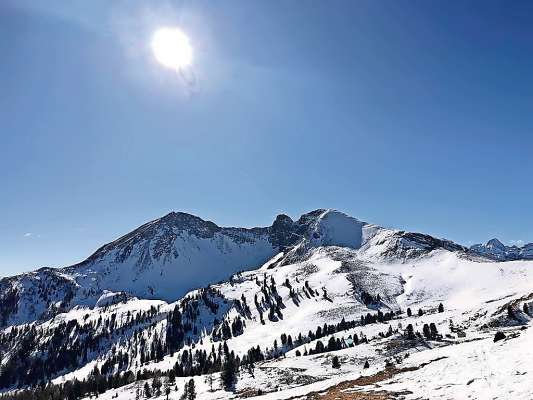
x: 410, y: 114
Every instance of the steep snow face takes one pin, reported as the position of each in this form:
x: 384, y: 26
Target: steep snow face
x: 380, y: 243
x: 188, y: 262
x: 496, y: 250
x: 333, y: 228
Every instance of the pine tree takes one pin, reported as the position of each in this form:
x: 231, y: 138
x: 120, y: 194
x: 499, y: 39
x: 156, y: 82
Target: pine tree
x: 441, y: 307
x: 409, y: 312
x: 191, y: 391
x: 335, y: 362
x: 409, y: 331
x: 426, y: 331
x: 156, y: 385
x: 171, y: 376
x: 499, y: 336
x: 229, y: 372
x: 147, y: 390
x: 420, y: 312
x: 367, y: 365
x: 251, y: 368
x: 167, y: 388
x: 433, y: 330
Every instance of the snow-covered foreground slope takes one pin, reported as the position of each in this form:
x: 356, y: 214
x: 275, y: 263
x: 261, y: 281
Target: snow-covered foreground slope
x: 328, y: 296
x: 328, y: 285
x: 478, y: 369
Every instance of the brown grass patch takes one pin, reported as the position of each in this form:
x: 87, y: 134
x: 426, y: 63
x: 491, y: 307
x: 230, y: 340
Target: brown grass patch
x: 348, y: 390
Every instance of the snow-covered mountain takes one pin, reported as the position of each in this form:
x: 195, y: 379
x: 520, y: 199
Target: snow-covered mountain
x: 165, y: 258
x: 498, y: 251
x: 325, y: 306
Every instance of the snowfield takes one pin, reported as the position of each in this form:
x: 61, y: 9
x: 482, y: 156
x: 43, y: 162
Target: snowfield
x: 345, y: 291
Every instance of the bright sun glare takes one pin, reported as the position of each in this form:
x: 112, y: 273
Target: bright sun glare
x: 171, y: 48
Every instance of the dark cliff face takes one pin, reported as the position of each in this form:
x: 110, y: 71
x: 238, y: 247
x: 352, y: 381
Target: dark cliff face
x: 432, y: 243
x: 282, y: 232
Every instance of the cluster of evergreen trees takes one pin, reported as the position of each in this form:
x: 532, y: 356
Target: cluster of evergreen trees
x: 95, y: 384
x: 38, y: 353
x: 377, y: 317
x: 99, y: 382
x: 368, y: 299
x: 440, y: 308
x: 329, y: 329
x: 430, y: 332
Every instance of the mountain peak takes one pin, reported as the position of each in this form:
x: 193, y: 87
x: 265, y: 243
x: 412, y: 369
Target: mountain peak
x: 495, y: 243
x: 191, y: 223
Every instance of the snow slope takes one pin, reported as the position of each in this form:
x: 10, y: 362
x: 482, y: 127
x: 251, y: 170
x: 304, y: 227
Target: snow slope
x: 475, y: 296
x: 114, y: 311
x: 166, y: 258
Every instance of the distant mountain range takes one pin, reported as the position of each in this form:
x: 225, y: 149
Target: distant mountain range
x: 496, y: 250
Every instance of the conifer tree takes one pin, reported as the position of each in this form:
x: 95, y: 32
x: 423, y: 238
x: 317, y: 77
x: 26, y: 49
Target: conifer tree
x: 147, y: 390
x: 191, y: 391
x: 409, y: 331
x: 499, y: 336
x: 229, y: 372
x: 426, y: 331
x: 433, y: 330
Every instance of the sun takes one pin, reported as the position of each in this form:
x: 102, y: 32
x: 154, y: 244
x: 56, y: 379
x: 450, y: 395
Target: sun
x: 172, y: 48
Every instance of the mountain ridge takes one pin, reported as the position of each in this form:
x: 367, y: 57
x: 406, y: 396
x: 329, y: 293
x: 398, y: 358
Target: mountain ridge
x: 166, y: 257
x: 291, y: 297
x: 496, y: 250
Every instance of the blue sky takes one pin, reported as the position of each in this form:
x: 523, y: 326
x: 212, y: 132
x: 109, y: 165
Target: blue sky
x: 411, y: 114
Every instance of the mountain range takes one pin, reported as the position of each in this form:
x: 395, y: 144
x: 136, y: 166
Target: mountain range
x: 144, y: 302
